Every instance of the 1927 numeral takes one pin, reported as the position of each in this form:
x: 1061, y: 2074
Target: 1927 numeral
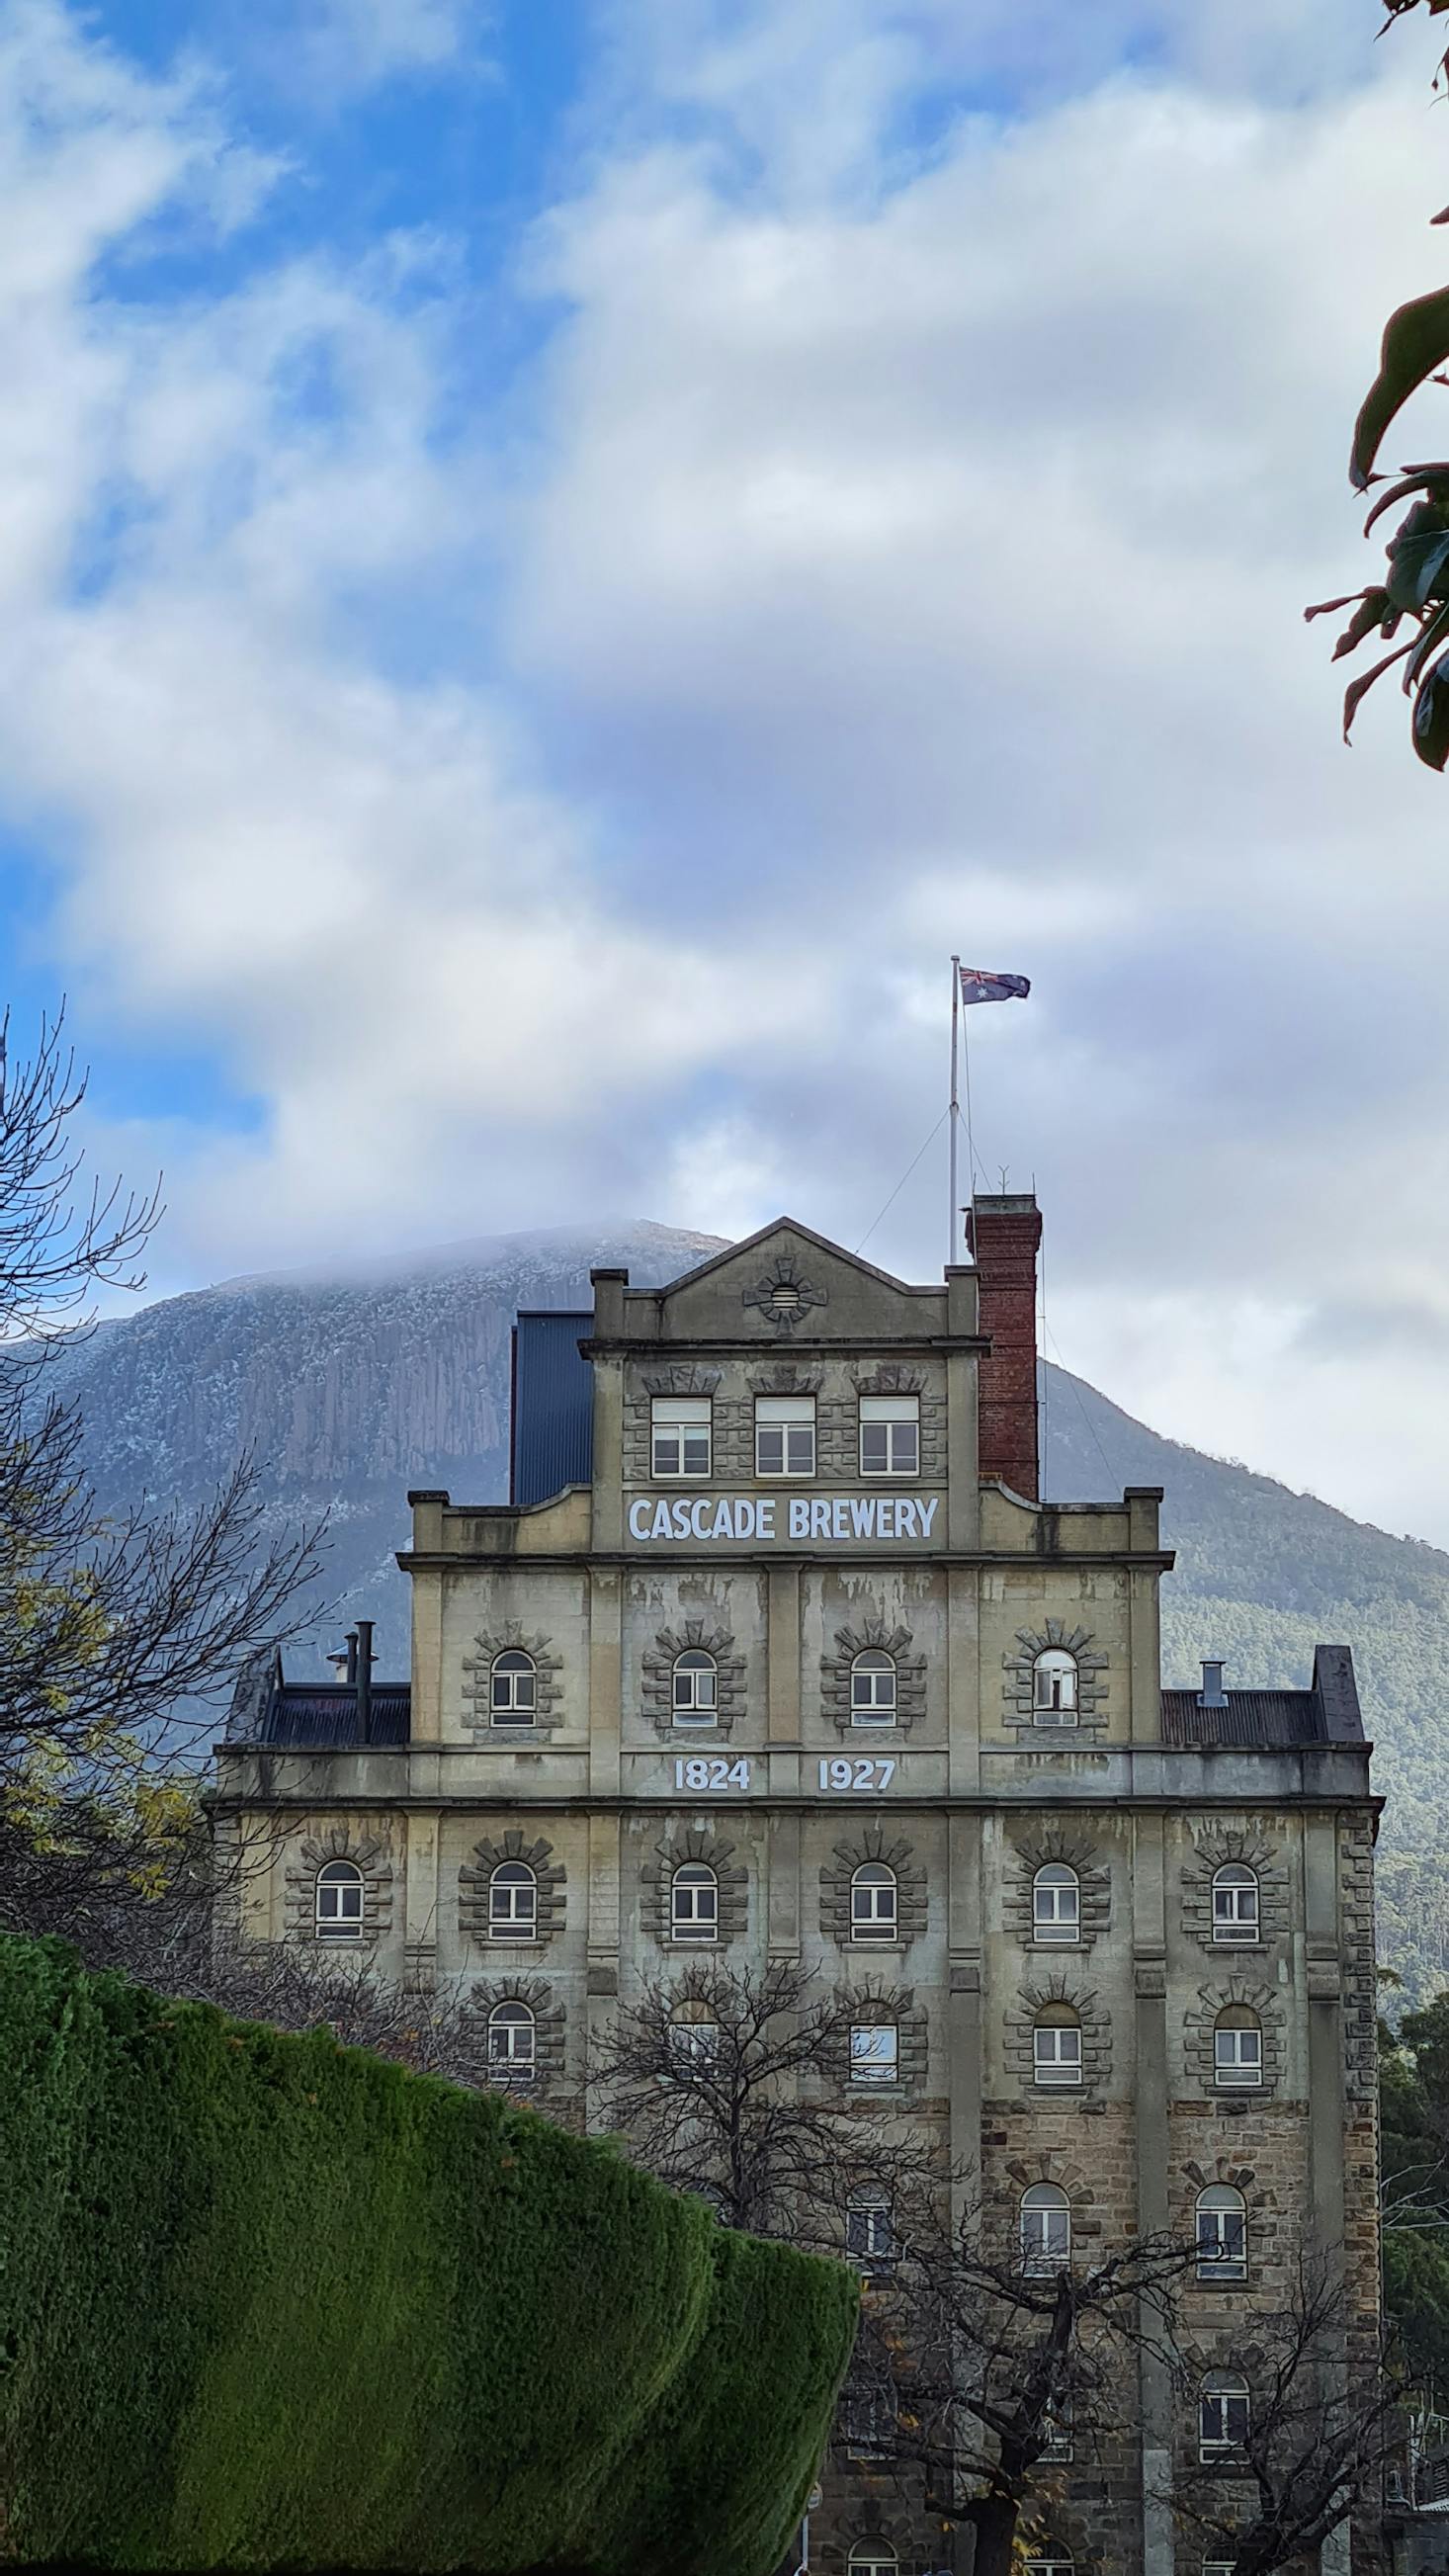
x: 871, y: 1776
x: 711, y: 1773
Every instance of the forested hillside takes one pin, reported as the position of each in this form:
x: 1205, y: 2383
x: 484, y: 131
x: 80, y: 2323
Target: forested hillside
x: 353, y: 1386
x: 1264, y: 1574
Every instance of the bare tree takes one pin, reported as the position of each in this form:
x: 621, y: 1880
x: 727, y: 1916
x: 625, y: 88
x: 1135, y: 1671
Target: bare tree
x: 1294, y: 2435
x: 109, y: 1625
x: 987, y: 2356
x: 737, y: 2085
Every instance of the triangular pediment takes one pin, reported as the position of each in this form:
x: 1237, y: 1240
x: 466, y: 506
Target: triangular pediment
x: 788, y: 1283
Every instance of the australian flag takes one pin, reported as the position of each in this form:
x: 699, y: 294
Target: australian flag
x: 978, y: 986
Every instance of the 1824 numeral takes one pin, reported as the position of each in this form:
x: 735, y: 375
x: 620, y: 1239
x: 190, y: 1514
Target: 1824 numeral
x: 711, y: 1772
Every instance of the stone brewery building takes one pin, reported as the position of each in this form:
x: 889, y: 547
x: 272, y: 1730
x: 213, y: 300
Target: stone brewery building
x: 776, y: 1653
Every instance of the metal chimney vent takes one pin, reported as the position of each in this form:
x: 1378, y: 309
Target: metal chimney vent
x: 1212, y: 1694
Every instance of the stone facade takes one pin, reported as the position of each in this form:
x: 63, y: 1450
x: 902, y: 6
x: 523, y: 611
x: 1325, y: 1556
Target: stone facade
x: 952, y: 1569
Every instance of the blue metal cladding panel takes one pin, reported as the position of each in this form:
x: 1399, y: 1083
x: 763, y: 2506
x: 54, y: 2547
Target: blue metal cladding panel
x: 553, y: 1406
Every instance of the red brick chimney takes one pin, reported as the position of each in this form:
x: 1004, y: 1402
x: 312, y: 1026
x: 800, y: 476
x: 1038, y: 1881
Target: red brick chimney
x: 1004, y: 1234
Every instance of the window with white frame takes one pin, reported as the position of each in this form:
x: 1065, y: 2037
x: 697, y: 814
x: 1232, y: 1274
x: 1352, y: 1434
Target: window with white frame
x: 874, y: 2052
x: 1223, y: 2409
x: 890, y: 1435
x: 512, y: 1689
x: 694, y: 1903
x: 1045, y: 2220
x: 1054, y: 1687
x: 693, y: 2038
x: 873, y: 1689
x: 338, y: 1901
x: 680, y: 1442
x: 1220, y: 2567
x: 1056, y: 2052
x: 873, y: 1902
x: 1056, y: 1904
x: 512, y: 2041
x: 1236, y: 1912
x: 869, y: 2236
x: 512, y: 1902
x: 873, y: 2558
x: 1222, y: 2234
x: 1056, y: 2564
x: 694, y: 1688
x: 784, y: 1435
x: 1237, y: 2050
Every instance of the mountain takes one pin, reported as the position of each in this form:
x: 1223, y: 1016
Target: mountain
x: 351, y: 1386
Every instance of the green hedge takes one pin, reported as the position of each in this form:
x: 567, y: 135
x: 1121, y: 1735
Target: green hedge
x: 268, y: 2302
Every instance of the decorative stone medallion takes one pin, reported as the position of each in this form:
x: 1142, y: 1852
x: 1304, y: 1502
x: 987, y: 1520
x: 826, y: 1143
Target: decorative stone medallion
x: 784, y: 1297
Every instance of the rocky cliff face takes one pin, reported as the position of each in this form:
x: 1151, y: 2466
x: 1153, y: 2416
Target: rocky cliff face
x: 350, y: 1388
x: 347, y: 1390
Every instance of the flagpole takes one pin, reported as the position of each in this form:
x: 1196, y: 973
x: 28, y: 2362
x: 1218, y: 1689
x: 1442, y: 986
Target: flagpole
x: 955, y: 1107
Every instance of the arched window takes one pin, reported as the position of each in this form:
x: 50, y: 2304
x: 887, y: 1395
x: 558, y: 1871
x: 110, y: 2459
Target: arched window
x: 1046, y: 2228
x: 694, y: 1903
x: 875, y: 2052
x: 1056, y: 2047
x: 512, y: 1690
x: 1055, y: 2563
x: 1235, y: 1904
x: 873, y: 1689
x: 693, y: 2037
x: 1237, y: 2049
x: 1056, y: 1904
x: 339, y: 1901
x: 1222, y: 2234
x: 873, y: 2558
x: 873, y: 1902
x: 1054, y: 1687
x: 1222, y: 2414
x: 512, y: 1902
x: 695, y: 1689
x: 512, y: 2042
x: 869, y: 2236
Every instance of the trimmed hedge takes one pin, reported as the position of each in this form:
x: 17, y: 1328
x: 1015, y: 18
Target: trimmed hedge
x: 267, y: 2302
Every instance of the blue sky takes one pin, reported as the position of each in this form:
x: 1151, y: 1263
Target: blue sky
x: 556, y: 560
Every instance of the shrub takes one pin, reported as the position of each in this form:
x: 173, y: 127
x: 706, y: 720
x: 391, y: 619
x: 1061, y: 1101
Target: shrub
x: 269, y: 2302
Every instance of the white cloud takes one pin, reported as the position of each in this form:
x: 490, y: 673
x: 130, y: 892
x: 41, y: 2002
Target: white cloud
x: 903, y: 554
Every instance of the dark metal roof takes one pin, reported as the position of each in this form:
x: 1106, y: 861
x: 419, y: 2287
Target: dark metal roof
x: 319, y: 1714
x: 1258, y: 1720
x: 1272, y: 1721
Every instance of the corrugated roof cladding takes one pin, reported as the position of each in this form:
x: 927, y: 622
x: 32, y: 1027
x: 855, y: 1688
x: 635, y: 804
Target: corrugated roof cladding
x: 1254, y: 1720
x: 325, y: 1713
x: 553, y: 1405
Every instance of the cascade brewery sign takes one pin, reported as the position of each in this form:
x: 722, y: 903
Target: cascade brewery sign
x: 793, y: 1518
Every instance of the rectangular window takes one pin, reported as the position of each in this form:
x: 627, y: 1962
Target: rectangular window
x: 1237, y: 2056
x: 868, y: 2237
x: 890, y: 1435
x: 784, y: 1435
x: 874, y: 2053
x: 1222, y: 2245
x: 1057, y: 2053
x: 680, y: 1443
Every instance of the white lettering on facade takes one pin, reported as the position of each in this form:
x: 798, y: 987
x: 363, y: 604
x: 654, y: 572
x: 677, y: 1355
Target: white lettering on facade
x: 832, y: 1518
